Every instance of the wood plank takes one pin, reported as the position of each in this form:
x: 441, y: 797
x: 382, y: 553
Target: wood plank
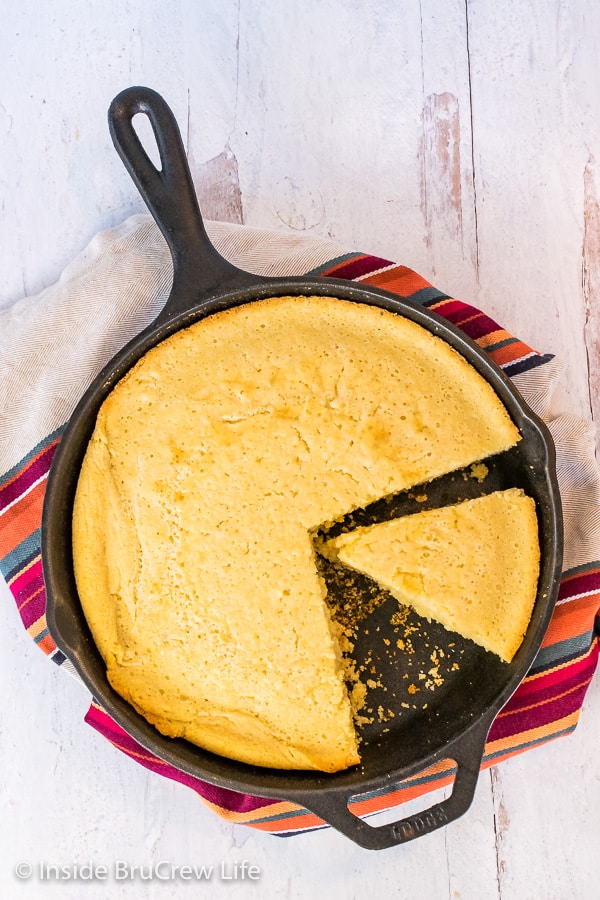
x: 530, y: 158
x: 537, y: 222
x: 590, y: 264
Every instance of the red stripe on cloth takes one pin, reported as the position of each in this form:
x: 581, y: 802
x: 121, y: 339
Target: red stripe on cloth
x: 27, y: 580
x: 35, y: 469
x: 357, y: 267
x: 33, y: 606
x: 544, y: 714
x: 221, y: 797
x: 472, y: 321
x: 549, y: 682
x: 550, y: 686
x: 453, y: 310
x: 30, y: 593
x: 536, y: 715
x: 579, y: 584
x: 498, y: 751
x: 399, y: 280
x: 447, y: 308
x: 477, y: 324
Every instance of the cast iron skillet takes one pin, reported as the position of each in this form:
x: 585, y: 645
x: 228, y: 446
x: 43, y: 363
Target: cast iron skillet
x: 454, y: 723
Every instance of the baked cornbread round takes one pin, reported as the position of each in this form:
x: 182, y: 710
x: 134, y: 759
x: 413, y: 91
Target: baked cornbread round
x: 210, y: 464
x: 473, y: 566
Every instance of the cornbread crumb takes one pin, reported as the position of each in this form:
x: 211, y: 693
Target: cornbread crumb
x: 479, y: 471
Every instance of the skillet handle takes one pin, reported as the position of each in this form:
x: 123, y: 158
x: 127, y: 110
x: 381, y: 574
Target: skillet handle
x: 198, y: 268
x: 467, y: 752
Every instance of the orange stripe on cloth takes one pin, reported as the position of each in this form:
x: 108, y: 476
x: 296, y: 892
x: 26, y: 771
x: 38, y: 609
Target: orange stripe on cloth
x: 439, y: 305
x: 343, y: 263
x: 509, y: 352
x: 286, y: 817
x: 507, y: 747
x: 494, y: 337
x: 46, y: 643
x: 140, y: 755
x: 275, y: 809
x: 437, y: 776
x: 571, y: 619
x: 400, y: 280
x: 20, y: 520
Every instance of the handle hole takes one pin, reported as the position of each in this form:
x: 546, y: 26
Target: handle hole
x: 143, y: 128
x: 410, y: 799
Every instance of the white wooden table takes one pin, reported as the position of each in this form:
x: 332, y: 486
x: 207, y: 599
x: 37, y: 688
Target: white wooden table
x: 460, y: 137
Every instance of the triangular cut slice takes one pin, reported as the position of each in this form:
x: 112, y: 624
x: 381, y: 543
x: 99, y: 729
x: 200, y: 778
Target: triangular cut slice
x: 472, y: 566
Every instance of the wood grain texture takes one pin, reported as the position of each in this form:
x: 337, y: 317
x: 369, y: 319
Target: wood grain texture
x: 528, y: 172
x: 460, y: 137
x: 590, y: 272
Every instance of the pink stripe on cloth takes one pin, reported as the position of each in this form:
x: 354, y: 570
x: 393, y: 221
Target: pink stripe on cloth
x: 28, y: 581
x: 360, y: 266
x: 28, y: 476
x: 512, y: 722
x: 222, y: 797
x: 573, y: 587
x: 31, y: 601
x: 469, y: 319
x: 539, y: 689
x: 478, y: 325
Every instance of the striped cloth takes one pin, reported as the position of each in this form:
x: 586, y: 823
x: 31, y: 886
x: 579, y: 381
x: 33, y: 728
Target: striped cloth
x: 52, y: 345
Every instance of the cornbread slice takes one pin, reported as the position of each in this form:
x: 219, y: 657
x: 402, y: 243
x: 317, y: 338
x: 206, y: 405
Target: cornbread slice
x: 472, y: 567
x: 210, y: 463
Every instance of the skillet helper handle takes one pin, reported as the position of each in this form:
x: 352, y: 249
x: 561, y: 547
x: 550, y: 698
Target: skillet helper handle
x: 467, y: 753
x: 170, y: 196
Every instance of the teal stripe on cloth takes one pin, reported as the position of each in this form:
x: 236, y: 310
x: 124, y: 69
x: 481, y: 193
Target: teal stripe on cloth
x: 526, y: 745
x: 337, y: 261
x: 21, y: 554
x: 554, y: 654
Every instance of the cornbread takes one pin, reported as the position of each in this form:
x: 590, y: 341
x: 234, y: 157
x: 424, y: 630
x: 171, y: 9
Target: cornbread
x: 473, y: 567
x: 210, y: 464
